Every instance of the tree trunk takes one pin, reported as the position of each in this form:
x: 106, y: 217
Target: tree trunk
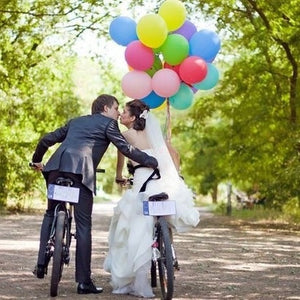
x: 214, y: 194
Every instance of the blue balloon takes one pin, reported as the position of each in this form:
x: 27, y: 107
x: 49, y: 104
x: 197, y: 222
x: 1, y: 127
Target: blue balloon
x: 205, y: 44
x: 210, y: 80
x: 153, y: 100
x: 183, y: 99
x: 123, y: 30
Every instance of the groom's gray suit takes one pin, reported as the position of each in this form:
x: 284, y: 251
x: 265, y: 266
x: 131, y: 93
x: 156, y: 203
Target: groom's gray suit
x: 83, y: 140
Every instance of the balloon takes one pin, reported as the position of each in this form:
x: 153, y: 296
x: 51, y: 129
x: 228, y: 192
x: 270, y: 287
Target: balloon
x: 123, y: 30
x: 165, y: 82
x: 152, y: 30
x: 157, y: 65
x: 183, y: 99
x: 175, y: 49
x: 205, y: 44
x: 162, y: 106
x: 136, y: 84
x: 210, y: 80
x: 138, y: 56
x: 173, y: 12
x: 187, y: 29
x: 174, y: 68
x: 153, y: 100
x: 193, y: 69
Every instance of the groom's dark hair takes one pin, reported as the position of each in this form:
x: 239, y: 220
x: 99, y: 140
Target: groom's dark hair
x: 101, y: 101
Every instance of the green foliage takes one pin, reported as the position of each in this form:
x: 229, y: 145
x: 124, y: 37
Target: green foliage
x: 29, y: 111
x: 37, y: 92
x: 291, y: 210
x: 246, y: 129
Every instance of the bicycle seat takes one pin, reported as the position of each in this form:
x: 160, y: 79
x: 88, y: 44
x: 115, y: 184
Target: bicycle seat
x: 64, y: 181
x: 159, y: 197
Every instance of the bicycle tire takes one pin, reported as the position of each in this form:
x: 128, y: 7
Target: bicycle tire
x: 165, y: 262
x: 153, y: 274
x: 58, y: 253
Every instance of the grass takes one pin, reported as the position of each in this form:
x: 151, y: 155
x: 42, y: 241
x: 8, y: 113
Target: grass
x: 261, y: 214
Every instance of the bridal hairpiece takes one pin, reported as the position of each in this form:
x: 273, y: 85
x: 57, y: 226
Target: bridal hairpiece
x: 144, y: 114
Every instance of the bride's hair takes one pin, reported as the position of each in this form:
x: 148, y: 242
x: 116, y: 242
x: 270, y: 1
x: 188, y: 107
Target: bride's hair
x: 138, y: 109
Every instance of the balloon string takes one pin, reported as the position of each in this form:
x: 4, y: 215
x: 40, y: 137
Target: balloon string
x: 169, y: 131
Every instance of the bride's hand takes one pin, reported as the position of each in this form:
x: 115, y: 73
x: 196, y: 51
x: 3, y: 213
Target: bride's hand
x: 122, y: 181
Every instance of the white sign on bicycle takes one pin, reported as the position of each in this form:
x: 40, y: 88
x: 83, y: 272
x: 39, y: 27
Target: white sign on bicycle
x: 63, y: 193
x: 159, y: 208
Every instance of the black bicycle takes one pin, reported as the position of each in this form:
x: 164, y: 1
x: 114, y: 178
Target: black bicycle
x: 164, y: 260
x: 60, y: 239
x: 58, y: 245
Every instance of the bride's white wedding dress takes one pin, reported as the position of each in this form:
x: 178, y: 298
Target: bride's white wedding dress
x: 131, y: 233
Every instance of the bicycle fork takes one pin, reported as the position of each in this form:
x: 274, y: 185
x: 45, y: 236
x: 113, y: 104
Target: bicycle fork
x: 156, y: 253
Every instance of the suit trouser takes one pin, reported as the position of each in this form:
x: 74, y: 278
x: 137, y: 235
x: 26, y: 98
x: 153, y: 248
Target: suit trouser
x: 83, y: 221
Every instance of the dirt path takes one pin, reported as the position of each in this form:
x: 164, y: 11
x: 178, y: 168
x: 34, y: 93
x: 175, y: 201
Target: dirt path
x: 218, y: 260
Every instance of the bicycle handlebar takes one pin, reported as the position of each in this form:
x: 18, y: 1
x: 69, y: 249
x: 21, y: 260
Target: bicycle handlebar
x: 34, y: 166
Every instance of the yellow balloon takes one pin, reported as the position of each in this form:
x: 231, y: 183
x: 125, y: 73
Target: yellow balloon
x: 161, y: 107
x: 152, y: 30
x: 174, y: 13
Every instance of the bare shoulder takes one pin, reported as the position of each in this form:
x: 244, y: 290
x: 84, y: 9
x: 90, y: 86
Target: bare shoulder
x: 130, y: 136
x: 126, y: 134
x: 136, y: 138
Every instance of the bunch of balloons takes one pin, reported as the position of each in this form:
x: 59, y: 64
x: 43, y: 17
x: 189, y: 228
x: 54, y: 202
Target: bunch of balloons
x: 167, y: 56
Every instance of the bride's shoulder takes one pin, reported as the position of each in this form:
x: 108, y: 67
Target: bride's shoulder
x: 129, y: 133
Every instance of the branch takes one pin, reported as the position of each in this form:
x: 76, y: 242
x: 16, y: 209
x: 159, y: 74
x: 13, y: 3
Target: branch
x: 290, y: 57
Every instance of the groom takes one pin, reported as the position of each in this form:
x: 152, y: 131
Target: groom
x: 84, y: 140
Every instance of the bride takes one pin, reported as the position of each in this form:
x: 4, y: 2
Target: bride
x: 130, y: 234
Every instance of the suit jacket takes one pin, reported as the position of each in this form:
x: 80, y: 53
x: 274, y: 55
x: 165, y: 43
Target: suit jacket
x: 84, y: 140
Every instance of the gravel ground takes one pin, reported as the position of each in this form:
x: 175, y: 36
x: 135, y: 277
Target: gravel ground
x: 220, y: 259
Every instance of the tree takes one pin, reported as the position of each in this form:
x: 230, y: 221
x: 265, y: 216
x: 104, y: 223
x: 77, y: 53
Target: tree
x: 37, y: 91
x: 257, y: 99
x: 36, y: 86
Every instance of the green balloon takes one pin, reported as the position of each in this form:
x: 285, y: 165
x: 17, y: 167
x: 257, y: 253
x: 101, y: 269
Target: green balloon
x: 157, y: 65
x: 175, y: 49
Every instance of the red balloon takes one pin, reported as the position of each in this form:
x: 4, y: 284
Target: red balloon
x: 193, y: 69
x: 174, y: 68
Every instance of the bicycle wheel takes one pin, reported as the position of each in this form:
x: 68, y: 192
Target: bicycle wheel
x: 153, y: 274
x: 58, y: 253
x: 165, y: 262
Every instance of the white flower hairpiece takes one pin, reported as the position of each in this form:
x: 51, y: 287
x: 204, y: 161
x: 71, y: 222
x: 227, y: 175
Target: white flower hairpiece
x: 144, y: 114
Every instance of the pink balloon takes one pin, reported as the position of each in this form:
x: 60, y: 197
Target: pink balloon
x: 139, y: 56
x: 165, y: 82
x: 193, y: 69
x: 136, y: 84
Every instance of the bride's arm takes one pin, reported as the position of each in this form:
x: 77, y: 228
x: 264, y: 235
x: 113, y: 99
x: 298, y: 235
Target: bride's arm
x: 120, y: 165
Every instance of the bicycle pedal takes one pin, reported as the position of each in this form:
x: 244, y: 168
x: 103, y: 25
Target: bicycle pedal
x: 66, y: 260
x: 176, y: 265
